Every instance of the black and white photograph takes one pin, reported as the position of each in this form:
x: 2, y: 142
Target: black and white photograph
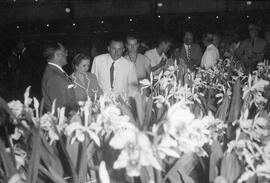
x: 134, y: 91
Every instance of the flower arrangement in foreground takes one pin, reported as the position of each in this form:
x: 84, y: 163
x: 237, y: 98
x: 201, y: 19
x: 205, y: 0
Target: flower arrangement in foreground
x: 180, y: 120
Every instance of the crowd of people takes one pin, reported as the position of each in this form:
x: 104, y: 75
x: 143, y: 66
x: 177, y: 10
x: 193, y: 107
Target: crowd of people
x: 126, y: 63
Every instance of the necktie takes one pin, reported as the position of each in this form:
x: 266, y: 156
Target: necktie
x: 112, y: 74
x: 189, y: 53
x: 252, y: 43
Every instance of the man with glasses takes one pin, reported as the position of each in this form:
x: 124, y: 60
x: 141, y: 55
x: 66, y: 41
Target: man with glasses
x: 56, y: 84
x: 115, y: 73
x: 141, y: 62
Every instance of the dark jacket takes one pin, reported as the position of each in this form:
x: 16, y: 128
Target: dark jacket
x: 57, y: 85
x: 196, y: 56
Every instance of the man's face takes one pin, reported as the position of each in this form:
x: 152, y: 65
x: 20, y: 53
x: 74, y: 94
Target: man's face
x: 253, y: 33
x: 188, y: 39
x: 132, y: 45
x: 176, y: 53
x: 62, y: 55
x: 116, y: 49
x: 166, y: 46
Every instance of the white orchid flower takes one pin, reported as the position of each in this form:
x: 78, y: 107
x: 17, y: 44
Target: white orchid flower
x: 254, y: 85
x: 178, y: 116
x: 136, y: 151
x: 20, y: 156
x: 147, y: 83
x: 36, y: 106
x: 16, y: 107
x: 17, y: 134
x: 80, y: 132
x: 46, y: 123
x: 160, y: 99
x: 27, y: 100
x: 103, y: 173
x: 167, y: 147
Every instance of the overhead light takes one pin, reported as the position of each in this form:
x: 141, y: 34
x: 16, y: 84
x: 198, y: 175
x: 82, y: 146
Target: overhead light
x: 248, y: 16
x: 130, y: 20
x: 249, y: 2
x: 67, y: 10
x: 159, y: 4
x: 158, y: 16
x: 189, y: 17
x: 102, y: 21
x: 47, y: 25
x: 73, y: 24
x: 18, y: 26
x: 36, y: 0
x: 217, y: 17
x: 14, y: 0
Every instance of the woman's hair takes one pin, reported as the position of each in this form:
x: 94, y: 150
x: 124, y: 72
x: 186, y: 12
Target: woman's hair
x: 78, y: 58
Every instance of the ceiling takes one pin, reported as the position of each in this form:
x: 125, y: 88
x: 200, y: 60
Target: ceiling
x: 12, y: 11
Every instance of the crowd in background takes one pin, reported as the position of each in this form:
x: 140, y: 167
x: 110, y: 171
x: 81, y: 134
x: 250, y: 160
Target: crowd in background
x: 22, y: 63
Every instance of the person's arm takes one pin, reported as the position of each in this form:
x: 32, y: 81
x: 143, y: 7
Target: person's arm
x: 259, y: 56
x: 208, y: 60
x: 156, y: 67
x: 132, y: 80
x: 198, y: 57
x: 96, y: 85
x: 94, y: 69
x: 62, y: 91
x: 147, y: 66
x: 239, y: 52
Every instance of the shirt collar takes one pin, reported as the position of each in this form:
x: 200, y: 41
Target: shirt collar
x: 110, y: 58
x: 210, y: 45
x: 57, y: 66
x: 186, y: 45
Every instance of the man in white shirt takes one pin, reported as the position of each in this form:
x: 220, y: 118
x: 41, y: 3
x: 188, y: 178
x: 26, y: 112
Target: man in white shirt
x: 115, y: 73
x: 141, y: 62
x: 157, y: 55
x: 211, y: 54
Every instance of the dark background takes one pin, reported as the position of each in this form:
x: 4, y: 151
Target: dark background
x: 91, y: 22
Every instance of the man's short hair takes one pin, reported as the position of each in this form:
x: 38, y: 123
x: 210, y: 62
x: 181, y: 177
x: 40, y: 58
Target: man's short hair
x: 132, y: 37
x: 208, y: 37
x: 50, y: 49
x: 164, y: 38
x: 116, y: 38
x: 188, y: 32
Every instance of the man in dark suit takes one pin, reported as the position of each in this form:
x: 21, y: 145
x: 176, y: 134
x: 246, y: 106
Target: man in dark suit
x: 55, y: 82
x: 190, y: 52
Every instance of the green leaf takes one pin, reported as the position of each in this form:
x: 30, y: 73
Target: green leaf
x: 235, y: 108
x: 230, y: 167
x: 147, y: 174
x: 179, y: 173
x: 6, y: 161
x: 215, y: 159
x: 35, y: 158
x: 148, y: 113
x: 222, y: 111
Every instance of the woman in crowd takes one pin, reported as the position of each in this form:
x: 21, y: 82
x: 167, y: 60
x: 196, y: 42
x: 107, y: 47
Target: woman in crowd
x: 85, y: 83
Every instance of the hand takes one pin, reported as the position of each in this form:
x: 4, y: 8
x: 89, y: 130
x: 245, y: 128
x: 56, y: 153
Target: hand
x: 162, y: 62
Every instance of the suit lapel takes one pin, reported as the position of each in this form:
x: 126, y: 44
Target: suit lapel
x: 184, y: 53
x: 62, y: 74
